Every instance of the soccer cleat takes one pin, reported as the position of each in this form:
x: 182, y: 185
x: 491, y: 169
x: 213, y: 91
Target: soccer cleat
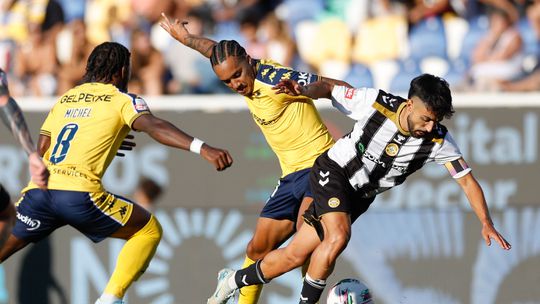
x: 223, y: 291
x: 234, y: 298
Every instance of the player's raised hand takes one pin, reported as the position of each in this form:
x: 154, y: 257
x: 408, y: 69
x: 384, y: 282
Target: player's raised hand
x: 176, y: 29
x: 489, y: 232
x: 221, y: 159
x: 38, y: 171
x: 289, y: 87
x: 127, y: 145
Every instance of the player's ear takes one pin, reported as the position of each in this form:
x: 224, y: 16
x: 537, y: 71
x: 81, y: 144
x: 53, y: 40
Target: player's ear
x: 409, y: 104
x: 125, y: 72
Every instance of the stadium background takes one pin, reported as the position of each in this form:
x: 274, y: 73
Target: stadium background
x: 419, y: 243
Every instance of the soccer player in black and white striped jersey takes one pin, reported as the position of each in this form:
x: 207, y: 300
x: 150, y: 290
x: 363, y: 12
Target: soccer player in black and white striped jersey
x: 392, y: 138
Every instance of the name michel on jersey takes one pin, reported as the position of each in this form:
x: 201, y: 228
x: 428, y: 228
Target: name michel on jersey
x: 78, y: 113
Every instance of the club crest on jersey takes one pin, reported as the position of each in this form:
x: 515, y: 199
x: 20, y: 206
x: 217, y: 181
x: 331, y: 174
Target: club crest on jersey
x: 392, y: 149
x: 333, y: 202
x: 349, y: 93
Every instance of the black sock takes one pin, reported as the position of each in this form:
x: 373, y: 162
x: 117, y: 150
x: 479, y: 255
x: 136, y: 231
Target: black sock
x: 251, y: 275
x: 311, y: 290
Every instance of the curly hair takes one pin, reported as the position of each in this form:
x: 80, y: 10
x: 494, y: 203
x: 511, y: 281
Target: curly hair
x: 106, y: 60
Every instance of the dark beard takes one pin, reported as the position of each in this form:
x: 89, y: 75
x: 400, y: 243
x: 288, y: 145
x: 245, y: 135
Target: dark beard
x: 410, y: 127
x: 427, y: 135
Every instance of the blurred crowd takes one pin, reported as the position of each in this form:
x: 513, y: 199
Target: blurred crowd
x: 477, y: 45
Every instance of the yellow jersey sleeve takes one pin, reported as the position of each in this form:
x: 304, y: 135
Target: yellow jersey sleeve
x: 132, y: 108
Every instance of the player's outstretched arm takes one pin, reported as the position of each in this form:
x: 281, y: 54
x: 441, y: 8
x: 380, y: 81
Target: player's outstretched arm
x: 315, y: 90
x: 319, y: 89
x: 336, y: 82
x: 475, y: 195
x: 166, y: 133
x: 178, y: 31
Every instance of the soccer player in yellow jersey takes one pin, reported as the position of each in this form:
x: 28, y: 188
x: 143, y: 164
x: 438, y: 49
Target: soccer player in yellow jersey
x: 78, y: 141
x: 291, y: 125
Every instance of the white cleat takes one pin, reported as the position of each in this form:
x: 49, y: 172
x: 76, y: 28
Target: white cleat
x: 223, y: 291
x: 235, y: 297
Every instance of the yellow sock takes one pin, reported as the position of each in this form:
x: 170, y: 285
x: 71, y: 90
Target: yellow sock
x: 134, y: 258
x: 249, y: 294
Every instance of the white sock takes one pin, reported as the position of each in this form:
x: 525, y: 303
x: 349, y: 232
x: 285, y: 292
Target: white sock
x: 232, y: 282
x: 108, y: 299
x: 318, y: 282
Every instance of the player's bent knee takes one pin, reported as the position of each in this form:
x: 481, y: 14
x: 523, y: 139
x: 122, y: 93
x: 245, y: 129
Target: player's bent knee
x: 337, y: 241
x: 257, y: 251
x: 152, y: 230
x: 155, y: 228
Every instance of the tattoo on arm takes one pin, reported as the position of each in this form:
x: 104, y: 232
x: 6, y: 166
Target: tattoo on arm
x: 201, y: 45
x: 13, y: 118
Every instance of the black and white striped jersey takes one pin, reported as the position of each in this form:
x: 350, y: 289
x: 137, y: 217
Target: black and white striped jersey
x: 377, y: 154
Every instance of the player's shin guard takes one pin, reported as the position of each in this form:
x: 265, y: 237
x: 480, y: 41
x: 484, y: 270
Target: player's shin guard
x: 249, y: 294
x: 134, y: 258
x: 251, y: 275
x: 311, y: 290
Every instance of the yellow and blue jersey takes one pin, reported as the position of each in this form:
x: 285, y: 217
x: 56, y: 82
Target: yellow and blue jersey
x: 87, y: 126
x: 291, y: 124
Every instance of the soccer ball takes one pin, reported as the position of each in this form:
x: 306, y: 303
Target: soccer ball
x: 349, y: 291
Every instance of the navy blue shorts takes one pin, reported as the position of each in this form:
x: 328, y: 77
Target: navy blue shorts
x: 96, y: 214
x: 285, y: 201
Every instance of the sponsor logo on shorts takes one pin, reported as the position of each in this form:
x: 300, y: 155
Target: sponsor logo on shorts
x: 325, y: 179
x: 333, y: 202
x: 392, y: 149
x: 28, y: 221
